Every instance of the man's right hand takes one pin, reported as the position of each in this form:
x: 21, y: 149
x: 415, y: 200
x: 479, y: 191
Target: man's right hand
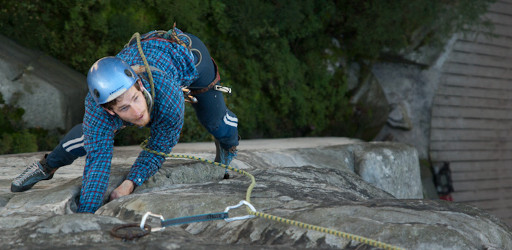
x: 125, y: 188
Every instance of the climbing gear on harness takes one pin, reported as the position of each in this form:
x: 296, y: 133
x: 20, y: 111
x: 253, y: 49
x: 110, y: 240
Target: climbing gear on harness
x: 108, y: 78
x: 222, y: 89
x: 186, y: 94
x: 172, y: 36
x: 354, y: 237
x: 129, y: 235
x: 34, y: 173
x: 213, y: 84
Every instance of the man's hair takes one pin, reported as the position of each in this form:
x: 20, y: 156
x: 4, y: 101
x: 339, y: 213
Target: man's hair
x: 110, y: 105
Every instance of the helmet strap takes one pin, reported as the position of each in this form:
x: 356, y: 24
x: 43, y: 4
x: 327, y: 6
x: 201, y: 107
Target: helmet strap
x: 149, y: 99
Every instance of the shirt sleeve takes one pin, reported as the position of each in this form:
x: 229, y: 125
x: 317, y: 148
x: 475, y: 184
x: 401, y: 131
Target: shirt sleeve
x: 165, y: 133
x: 168, y: 111
x: 98, y: 130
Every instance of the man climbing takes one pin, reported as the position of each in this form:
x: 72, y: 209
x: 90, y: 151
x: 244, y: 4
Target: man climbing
x: 118, y: 97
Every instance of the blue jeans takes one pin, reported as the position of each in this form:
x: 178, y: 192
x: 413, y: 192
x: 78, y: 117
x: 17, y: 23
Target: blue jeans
x: 210, y: 109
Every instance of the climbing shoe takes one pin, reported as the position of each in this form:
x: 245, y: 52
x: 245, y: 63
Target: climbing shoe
x: 34, y: 173
x: 224, y: 156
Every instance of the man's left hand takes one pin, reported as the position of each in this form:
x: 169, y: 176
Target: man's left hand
x: 125, y: 188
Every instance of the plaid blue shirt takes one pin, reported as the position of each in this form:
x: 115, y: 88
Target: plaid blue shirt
x: 166, y: 122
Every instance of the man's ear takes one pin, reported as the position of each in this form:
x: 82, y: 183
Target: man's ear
x: 138, y: 69
x: 109, y: 111
x: 140, y: 85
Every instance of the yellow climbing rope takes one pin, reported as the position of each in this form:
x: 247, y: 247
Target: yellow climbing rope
x: 146, y: 64
x: 361, y: 239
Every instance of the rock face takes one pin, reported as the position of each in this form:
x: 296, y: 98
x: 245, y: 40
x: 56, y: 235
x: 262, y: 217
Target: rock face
x: 409, y: 85
x: 51, y: 93
x: 329, y: 182
x: 371, y: 108
x: 410, y: 91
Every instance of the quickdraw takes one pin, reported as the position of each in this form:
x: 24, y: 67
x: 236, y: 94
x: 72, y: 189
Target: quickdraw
x: 146, y: 229
x: 196, y: 218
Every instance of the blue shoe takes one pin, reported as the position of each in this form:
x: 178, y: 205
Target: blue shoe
x: 224, y: 156
x: 33, y: 174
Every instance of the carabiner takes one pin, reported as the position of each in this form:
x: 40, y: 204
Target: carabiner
x: 222, y: 89
x: 242, y: 202
x: 144, y: 218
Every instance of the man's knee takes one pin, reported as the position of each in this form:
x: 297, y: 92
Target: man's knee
x: 226, y: 127
x: 73, y: 142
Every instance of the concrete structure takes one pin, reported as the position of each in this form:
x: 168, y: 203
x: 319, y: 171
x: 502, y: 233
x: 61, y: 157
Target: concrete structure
x: 472, y: 116
x: 456, y: 108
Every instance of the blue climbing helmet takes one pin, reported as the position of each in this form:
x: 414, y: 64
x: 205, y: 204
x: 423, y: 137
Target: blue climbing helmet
x: 108, y: 78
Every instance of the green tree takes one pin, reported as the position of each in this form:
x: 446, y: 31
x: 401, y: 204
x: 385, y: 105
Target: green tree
x: 14, y: 137
x: 284, y: 59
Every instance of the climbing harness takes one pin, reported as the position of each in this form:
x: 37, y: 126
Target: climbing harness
x: 174, y: 37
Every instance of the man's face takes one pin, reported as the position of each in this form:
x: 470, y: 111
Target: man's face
x: 131, y: 107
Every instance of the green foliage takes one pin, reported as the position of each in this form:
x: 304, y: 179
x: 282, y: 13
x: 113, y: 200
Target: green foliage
x: 369, y: 28
x: 18, y: 142
x: 47, y: 139
x: 12, y: 128
x: 192, y: 129
x: 10, y: 117
x: 16, y: 138
x: 274, y: 54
